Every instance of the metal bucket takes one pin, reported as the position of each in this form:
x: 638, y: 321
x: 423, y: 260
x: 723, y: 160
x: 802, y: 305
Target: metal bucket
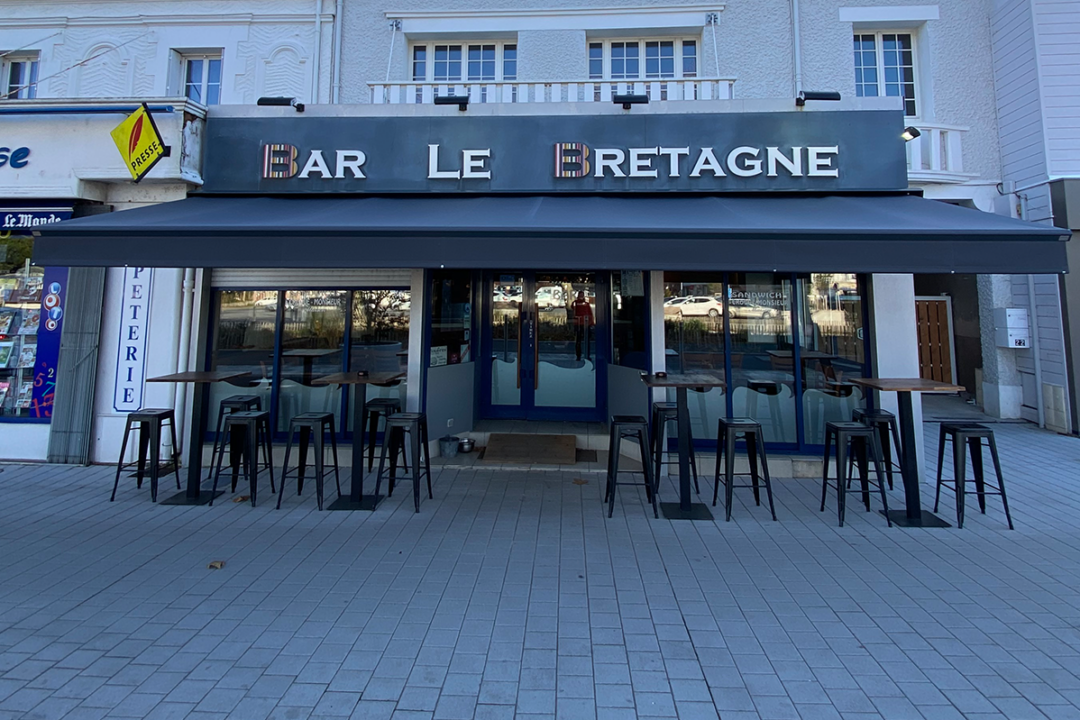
x: 448, y: 446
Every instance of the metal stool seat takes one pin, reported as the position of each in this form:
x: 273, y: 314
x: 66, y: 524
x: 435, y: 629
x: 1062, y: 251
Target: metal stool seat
x: 246, y: 431
x: 372, y: 410
x: 662, y: 414
x: 727, y: 433
x: 312, y: 428
x: 150, y: 423
x: 885, y: 423
x: 863, y: 439
x: 629, y: 427
x: 398, y: 425
x: 968, y: 437
x: 231, y: 404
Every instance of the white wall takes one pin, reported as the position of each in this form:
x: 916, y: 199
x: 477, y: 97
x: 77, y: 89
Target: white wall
x: 896, y: 343
x: 1037, y: 78
x: 112, y: 49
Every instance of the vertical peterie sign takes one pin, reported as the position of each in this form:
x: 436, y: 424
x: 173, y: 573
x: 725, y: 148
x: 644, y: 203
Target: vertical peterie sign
x: 134, y: 328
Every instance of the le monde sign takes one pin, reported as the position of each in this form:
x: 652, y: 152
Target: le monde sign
x: 797, y: 151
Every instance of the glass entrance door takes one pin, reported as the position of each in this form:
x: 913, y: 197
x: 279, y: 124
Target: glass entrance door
x: 546, y: 340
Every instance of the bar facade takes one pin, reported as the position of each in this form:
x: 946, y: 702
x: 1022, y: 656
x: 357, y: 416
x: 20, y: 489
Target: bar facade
x: 529, y: 267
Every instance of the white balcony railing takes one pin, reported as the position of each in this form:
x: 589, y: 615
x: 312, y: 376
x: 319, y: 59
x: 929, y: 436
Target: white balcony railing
x: 937, y: 155
x: 552, y: 92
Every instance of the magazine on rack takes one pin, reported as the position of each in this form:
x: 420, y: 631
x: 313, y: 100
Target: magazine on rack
x: 27, y: 356
x: 3, y: 393
x: 30, y: 321
x: 6, y: 351
x: 7, y: 318
x: 26, y: 393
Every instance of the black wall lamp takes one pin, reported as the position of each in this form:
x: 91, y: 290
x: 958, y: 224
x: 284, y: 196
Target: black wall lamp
x: 281, y: 102
x: 805, y: 95
x: 910, y: 133
x: 462, y: 101
x: 627, y: 100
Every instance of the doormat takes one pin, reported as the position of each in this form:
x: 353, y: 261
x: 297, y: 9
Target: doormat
x: 527, y: 449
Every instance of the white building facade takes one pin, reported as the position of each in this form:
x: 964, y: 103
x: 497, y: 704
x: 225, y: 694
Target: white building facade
x: 1037, y: 77
x: 932, y: 63
x: 70, y: 73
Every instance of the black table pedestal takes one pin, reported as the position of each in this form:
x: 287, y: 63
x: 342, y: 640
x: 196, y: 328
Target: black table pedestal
x: 685, y: 509
x: 355, y: 500
x: 194, y: 494
x: 913, y: 515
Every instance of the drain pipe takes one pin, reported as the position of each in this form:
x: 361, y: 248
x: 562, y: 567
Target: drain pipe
x: 318, y: 53
x: 1034, y: 323
x: 797, y: 46
x: 182, y: 358
x: 335, y: 88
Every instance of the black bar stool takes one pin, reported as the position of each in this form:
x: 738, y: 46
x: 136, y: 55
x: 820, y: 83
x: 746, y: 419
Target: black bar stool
x: 885, y: 423
x: 630, y: 427
x: 246, y: 431
x: 398, y: 426
x: 150, y: 422
x: 231, y: 404
x: 968, y: 437
x: 863, y: 440
x: 728, y: 430
x: 312, y: 428
x: 662, y: 414
x: 372, y: 410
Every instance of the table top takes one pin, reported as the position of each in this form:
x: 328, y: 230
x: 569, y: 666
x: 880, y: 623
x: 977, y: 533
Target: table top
x: 308, y: 353
x: 684, y: 380
x: 202, y: 376
x: 351, y: 378
x: 804, y: 354
x: 906, y: 385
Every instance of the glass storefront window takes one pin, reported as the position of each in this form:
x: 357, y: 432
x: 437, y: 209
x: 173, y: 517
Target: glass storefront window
x: 380, y: 338
x: 764, y: 338
x: 832, y: 348
x: 451, y: 317
x: 507, y: 294
x: 312, y: 345
x: 629, y: 318
x: 762, y: 352
x: 244, y: 341
x: 307, y: 334
x: 31, y: 320
x: 694, y: 342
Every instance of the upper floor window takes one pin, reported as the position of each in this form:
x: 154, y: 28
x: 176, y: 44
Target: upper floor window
x: 464, y: 62
x: 20, y: 76
x: 643, y: 59
x: 202, y: 78
x: 885, y: 66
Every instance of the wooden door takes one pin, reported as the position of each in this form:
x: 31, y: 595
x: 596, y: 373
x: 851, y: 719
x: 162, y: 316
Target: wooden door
x: 934, y: 321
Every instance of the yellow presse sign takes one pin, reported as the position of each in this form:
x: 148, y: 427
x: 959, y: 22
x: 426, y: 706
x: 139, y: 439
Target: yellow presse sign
x: 139, y: 142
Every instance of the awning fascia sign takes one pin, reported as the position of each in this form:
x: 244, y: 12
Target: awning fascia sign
x: 868, y: 233
x: 828, y: 151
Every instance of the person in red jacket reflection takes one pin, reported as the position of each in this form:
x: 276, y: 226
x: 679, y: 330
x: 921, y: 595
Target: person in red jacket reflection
x: 583, y: 320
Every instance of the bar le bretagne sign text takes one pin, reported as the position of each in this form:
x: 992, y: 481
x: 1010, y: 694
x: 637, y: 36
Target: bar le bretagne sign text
x: 572, y: 160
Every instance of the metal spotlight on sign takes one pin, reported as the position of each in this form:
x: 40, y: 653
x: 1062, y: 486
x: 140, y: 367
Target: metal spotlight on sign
x: 139, y: 142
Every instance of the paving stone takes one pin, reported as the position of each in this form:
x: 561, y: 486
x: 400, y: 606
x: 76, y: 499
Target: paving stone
x: 512, y: 595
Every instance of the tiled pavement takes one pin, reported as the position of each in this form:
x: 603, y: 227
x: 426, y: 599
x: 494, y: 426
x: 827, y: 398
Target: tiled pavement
x: 511, y: 595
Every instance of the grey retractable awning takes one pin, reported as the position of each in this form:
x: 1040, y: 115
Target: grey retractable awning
x: 869, y: 233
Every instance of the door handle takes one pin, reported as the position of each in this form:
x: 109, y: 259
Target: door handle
x: 518, y: 358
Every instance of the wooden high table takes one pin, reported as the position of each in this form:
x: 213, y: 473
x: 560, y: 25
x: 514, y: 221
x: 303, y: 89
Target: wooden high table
x: 913, y: 515
x: 193, y: 495
x: 355, y: 499
x: 685, y: 509
x: 307, y: 357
